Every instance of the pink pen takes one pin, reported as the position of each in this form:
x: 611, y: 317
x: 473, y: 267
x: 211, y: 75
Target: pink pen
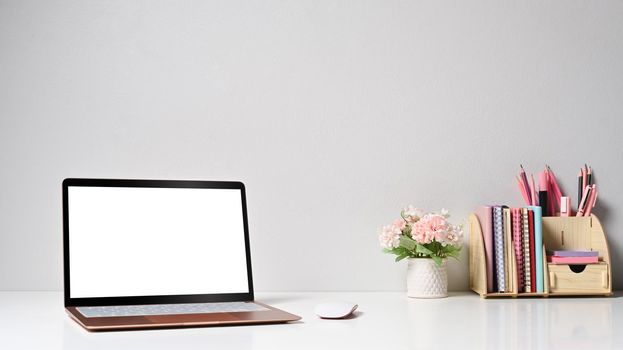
x: 583, y: 202
x: 591, y: 202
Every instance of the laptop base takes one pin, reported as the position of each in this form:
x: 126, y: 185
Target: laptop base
x: 272, y: 315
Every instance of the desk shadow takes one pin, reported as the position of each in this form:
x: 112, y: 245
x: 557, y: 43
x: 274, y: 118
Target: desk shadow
x: 77, y: 338
x: 354, y: 315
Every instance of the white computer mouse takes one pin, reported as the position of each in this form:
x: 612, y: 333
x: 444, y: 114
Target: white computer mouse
x: 335, y: 309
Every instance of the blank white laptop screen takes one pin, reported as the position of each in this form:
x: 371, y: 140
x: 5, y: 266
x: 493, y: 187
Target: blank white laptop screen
x: 144, y: 241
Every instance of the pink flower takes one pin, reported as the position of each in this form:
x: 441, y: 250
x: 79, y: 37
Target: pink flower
x: 420, y: 233
x: 390, y: 235
x: 424, y: 228
x: 436, y: 222
x: 400, y: 224
x: 430, y: 227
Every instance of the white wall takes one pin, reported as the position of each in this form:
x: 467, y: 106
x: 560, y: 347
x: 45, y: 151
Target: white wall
x: 335, y: 114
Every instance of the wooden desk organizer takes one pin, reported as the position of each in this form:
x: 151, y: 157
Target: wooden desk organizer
x: 559, y: 233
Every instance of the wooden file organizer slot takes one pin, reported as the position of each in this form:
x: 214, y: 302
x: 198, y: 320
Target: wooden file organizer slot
x: 559, y: 233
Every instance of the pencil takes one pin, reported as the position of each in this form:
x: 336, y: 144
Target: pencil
x: 524, y: 178
x: 555, y: 188
x: 522, y: 190
x: 533, y: 191
x: 580, y: 188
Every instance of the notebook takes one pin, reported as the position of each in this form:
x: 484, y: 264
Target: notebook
x: 573, y: 259
x: 532, y: 251
x: 159, y: 253
x: 508, y: 250
x: 499, y: 253
x: 518, y: 246
x: 574, y: 253
x: 485, y: 217
x: 538, y: 247
x: 525, y: 227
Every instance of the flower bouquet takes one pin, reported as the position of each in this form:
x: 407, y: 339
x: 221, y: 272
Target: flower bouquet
x: 422, y: 235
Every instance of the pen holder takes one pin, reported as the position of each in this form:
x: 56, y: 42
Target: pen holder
x: 559, y: 233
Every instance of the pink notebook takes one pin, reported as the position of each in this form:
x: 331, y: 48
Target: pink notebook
x: 518, y: 245
x: 485, y: 217
x: 573, y: 259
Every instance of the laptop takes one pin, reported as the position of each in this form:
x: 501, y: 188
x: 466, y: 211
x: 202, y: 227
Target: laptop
x: 157, y: 253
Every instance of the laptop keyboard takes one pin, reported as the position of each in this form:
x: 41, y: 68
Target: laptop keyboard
x: 168, y: 309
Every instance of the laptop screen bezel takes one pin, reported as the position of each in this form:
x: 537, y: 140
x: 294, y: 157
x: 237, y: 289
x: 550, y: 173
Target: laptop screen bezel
x: 151, y: 299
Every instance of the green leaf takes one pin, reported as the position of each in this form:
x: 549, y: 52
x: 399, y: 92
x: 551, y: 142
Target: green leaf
x: 436, y: 259
x: 452, y: 251
x: 401, y: 252
x: 400, y: 257
x: 423, y: 250
x: 407, y: 242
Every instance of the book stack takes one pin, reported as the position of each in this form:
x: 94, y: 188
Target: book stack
x: 573, y: 257
x: 513, y: 234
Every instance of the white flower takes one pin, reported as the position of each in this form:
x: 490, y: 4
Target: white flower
x: 412, y: 214
x: 455, y: 235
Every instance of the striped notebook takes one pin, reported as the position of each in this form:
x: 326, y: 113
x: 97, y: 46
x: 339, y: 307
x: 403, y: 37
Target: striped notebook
x: 525, y: 229
x: 518, y: 246
x: 498, y: 243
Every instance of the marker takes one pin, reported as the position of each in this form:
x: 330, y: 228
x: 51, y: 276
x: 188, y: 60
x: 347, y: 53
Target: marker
x: 565, y: 206
x: 543, y: 193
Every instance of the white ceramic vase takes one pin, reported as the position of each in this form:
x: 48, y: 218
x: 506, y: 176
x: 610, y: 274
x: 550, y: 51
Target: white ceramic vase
x: 425, y: 279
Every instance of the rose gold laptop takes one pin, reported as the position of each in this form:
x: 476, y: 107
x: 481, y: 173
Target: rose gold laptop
x: 154, y: 253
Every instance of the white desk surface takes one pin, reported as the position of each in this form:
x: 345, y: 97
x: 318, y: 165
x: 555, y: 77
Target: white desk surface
x: 37, y: 320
